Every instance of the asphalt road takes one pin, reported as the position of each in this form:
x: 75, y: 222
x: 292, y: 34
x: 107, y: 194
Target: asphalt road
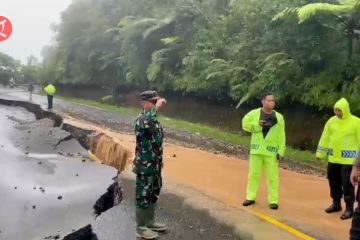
x: 48, y: 192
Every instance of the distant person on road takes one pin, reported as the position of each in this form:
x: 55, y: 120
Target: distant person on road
x: 12, y: 82
x: 31, y: 89
x: 355, y: 226
x: 50, y: 92
x: 339, y: 142
x: 267, y: 128
x: 148, y: 165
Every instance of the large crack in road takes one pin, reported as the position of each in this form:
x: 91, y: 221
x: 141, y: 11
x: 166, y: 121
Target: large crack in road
x: 51, y: 190
x: 44, y: 187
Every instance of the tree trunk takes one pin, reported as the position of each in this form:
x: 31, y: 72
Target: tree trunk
x: 350, y: 33
x: 114, y: 87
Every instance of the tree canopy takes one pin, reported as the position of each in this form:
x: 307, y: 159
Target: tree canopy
x: 9, y: 68
x: 303, y: 51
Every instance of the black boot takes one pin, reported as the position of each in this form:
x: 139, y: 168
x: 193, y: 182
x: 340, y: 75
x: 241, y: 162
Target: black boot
x: 355, y: 226
x: 274, y: 206
x: 349, y: 211
x: 335, y: 207
x: 248, y: 203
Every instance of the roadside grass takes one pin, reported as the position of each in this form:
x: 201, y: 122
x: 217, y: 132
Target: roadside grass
x: 196, y: 128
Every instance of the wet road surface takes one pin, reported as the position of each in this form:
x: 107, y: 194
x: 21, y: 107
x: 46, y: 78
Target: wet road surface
x: 185, y: 222
x: 44, y: 193
x: 49, y: 192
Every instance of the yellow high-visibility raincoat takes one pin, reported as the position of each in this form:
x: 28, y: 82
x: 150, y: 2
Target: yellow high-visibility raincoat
x: 50, y: 89
x: 341, y: 137
x: 263, y: 154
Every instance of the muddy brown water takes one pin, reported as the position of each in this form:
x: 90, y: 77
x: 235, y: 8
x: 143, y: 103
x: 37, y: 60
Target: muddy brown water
x: 303, y: 124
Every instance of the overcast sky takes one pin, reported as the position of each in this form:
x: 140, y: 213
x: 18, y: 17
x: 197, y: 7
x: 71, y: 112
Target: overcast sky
x: 31, y: 21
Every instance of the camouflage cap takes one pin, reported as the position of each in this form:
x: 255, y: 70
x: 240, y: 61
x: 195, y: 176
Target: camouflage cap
x: 149, y: 95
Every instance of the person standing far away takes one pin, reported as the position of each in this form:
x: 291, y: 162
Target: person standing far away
x: 148, y: 164
x: 339, y: 142
x: 267, y: 128
x: 50, y: 92
x: 12, y: 82
x: 30, y: 89
x: 354, y: 178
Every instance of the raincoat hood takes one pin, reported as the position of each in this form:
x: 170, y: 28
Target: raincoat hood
x: 340, y: 139
x: 343, y: 105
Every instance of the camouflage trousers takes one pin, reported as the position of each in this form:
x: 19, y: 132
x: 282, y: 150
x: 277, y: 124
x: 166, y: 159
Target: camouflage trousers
x: 147, y: 190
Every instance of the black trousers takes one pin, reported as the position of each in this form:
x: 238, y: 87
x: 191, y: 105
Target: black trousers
x: 50, y: 101
x: 339, y: 181
x: 355, y: 226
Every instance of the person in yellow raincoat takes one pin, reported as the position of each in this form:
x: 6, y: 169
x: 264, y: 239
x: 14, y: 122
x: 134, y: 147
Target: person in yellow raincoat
x: 339, y: 143
x: 50, y: 92
x: 267, y: 128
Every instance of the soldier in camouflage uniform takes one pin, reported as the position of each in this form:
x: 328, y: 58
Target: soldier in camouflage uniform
x: 148, y: 164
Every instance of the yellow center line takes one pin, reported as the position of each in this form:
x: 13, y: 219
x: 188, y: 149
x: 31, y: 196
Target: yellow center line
x: 266, y: 218
x: 283, y: 226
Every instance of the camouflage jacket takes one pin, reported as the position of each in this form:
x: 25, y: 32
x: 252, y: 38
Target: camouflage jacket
x: 149, y: 144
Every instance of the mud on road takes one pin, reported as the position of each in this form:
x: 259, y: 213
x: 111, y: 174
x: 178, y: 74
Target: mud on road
x: 182, y: 137
x: 51, y: 190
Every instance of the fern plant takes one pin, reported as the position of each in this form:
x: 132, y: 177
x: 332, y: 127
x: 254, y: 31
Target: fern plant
x: 308, y: 11
x: 346, y: 10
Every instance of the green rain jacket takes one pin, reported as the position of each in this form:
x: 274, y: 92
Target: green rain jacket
x: 273, y: 143
x: 50, y: 89
x: 341, y: 137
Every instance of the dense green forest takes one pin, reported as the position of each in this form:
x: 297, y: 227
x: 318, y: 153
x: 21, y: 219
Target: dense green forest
x: 304, y: 51
x: 11, y: 68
